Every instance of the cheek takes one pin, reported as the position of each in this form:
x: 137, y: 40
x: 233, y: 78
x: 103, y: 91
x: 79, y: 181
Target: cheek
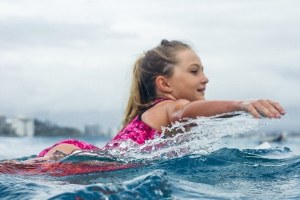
x: 178, y: 82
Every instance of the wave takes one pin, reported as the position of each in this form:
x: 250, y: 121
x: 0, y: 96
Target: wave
x: 150, y: 186
x: 194, y: 136
x: 164, y: 179
x: 232, y: 163
x: 193, y: 175
x: 189, y: 165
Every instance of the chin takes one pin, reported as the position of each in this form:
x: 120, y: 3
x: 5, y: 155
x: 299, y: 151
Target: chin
x: 198, y: 98
x: 201, y: 98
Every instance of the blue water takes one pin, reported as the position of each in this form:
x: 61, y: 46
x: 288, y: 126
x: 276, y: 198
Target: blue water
x: 225, y: 167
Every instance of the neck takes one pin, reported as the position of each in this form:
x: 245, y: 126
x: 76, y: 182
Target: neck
x: 166, y: 96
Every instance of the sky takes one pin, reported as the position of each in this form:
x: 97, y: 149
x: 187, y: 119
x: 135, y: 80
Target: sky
x: 70, y: 61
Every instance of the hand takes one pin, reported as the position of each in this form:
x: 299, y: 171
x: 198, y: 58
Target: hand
x: 266, y: 108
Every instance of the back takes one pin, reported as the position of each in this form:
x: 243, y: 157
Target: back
x: 139, y: 130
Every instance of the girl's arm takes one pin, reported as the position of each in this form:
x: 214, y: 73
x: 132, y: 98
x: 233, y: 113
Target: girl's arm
x: 185, y: 109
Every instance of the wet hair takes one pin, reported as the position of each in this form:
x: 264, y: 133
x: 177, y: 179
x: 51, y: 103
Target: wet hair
x: 155, y: 62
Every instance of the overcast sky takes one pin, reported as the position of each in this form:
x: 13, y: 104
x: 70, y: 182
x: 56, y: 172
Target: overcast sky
x: 69, y: 61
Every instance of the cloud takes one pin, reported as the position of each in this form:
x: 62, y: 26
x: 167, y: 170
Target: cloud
x: 35, y: 33
x: 59, y: 56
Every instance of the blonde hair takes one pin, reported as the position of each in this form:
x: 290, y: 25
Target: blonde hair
x: 157, y: 61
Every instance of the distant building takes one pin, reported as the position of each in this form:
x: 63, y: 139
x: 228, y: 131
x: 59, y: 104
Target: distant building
x: 23, y: 126
x: 5, y: 128
x: 2, y: 121
x: 92, y: 130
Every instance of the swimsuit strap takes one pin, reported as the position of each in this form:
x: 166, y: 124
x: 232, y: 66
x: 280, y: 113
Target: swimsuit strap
x: 153, y: 103
x: 156, y: 101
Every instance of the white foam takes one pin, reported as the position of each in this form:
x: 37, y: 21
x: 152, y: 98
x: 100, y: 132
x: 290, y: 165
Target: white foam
x: 200, y: 135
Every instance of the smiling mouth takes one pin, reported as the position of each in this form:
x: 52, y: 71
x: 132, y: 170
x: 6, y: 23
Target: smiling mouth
x: 201, y: 90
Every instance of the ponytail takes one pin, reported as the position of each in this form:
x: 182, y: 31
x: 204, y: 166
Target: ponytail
x: 134, y: 104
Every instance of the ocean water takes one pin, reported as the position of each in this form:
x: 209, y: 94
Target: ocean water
x: 212, y: 158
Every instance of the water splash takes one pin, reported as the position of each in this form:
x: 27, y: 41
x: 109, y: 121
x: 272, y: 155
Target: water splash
x: 193, y: 136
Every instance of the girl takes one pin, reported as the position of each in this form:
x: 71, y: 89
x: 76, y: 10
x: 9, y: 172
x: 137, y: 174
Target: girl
x: 168, y: 85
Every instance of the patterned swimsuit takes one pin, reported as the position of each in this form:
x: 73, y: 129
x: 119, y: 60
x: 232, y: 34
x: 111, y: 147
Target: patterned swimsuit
x: 137, y: 131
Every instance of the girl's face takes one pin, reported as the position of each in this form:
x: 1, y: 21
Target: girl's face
x: 188, y: 80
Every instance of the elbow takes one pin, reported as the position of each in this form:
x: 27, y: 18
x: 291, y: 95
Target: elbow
x: 178, y: 111
x: 177, y: 116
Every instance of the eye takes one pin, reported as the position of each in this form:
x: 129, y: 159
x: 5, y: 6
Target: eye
x: 194, y: 71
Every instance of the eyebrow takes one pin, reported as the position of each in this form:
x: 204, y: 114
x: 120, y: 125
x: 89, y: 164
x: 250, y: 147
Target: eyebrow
x: 199, y: 66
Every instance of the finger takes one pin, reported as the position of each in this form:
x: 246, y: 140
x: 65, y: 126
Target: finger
x: 272, y: 111
x: 251, y: 109
x: 278, y: 107
x: 262, y: 109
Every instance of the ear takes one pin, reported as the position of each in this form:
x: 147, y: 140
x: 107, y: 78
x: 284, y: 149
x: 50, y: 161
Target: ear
x: 162, y: 84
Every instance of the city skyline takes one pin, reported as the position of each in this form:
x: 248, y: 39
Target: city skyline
x: 23, y: 125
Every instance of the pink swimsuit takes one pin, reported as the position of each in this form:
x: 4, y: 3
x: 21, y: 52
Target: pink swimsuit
x: 137, y: 131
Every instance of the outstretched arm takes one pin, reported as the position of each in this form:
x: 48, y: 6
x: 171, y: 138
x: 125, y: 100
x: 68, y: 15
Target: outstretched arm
x: 186, y: 109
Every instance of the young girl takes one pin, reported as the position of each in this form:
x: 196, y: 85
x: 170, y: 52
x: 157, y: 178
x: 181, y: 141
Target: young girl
x: 168, y: 85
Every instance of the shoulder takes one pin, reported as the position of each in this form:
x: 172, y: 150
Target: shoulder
x: 173, y: 104
x: 162, y: 114
x: 172, y: 108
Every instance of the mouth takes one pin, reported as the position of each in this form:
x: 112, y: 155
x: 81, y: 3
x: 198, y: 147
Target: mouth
x: 202, y: 90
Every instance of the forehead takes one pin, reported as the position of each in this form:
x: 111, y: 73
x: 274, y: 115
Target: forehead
x: 187, y: 57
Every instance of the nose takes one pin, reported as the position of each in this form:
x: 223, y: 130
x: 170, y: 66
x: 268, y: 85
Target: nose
x: 204, y: 79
